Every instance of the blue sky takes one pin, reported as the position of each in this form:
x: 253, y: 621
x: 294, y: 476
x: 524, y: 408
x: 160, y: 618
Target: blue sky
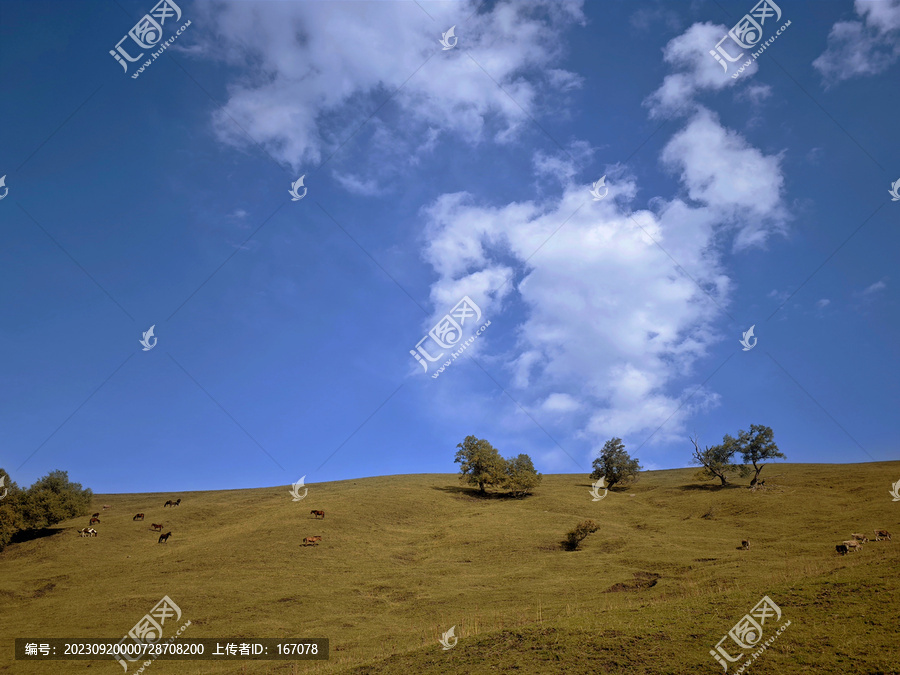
x: 285, y: 327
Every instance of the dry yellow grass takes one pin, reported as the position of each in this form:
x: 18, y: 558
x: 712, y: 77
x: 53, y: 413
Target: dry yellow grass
x: 404, y: 558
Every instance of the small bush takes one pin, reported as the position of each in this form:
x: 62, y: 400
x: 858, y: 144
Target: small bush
x: 575, y: 536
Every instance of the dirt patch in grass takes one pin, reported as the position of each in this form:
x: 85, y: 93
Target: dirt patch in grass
x: 642, y: 581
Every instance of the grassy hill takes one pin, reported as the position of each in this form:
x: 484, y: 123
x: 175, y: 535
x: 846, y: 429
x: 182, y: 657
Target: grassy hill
x: 404, y: 558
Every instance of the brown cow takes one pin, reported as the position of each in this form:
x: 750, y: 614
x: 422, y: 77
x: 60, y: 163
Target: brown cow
x: 852, y: 544
x: 882, y: 534
x: 96, y: 515
x: 156, y: 526
x: 318, y: 513
x: 311, y: 540
x: 861, y: 538
x: 95, y: 519
x: 106, y: 506
x: 842, y: 549
x: 164, y: 538
x: 139, y: 516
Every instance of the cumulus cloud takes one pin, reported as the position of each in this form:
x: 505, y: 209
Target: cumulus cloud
x: 317, y: 69
x: 696, y: 71
x: 737, y: 181
x: 609, y: 318
x: 864, y: 47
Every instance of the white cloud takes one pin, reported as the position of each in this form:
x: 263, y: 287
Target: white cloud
x: 561, y: 166
x: 874, y: 288
x: 608, y: 315
x: 697, y: 70
x: 754, y: 93
x: 865, y: 47
x: 609, y: 318
x: 318, y: 69
x: 561, y: 403
x: 366, y: 188
x: 823, y: 303
x: 737, y: 181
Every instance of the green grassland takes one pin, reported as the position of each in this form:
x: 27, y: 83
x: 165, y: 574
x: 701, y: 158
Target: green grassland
x: 404, y: 558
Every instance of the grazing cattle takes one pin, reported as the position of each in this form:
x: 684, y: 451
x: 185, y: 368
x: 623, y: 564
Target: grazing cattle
x: 882, y: 534
x: 139, y: 516
x: 92, y: 532
x: 96, y: 515
x: 842, y: 549
x: 745, y: 544
x: 83, y: 532
x: 172, y: 503
x: 311, y: 540
x: 155, y: 526
x: 318, y: 513
x: 106, y: 506
x: 164, y: 538
x: 94, y: 520
x: 861, y: 538
x: 852, y: 544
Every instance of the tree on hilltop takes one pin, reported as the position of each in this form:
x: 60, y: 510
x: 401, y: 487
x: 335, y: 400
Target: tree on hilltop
x: 716, y: 461
x: 615, y: 464
x: 755, y: 446
x: 480, y: 463
x: 11, y: 517
x: 521, y: 476
x: 55, y: 498
x: 50, y: 500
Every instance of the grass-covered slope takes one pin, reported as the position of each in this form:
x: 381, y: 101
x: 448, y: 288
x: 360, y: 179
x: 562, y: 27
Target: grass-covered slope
x: 404, y: 558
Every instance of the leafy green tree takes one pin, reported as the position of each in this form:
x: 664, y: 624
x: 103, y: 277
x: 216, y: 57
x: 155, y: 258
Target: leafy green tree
x: 53, y: 499
x: 575, y: 536
x: 615, y: 464
x: 521, y: 477
x: 716, y: 461
x: 756, y: 446
x: 480, y: 463
x: 12, y: 518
